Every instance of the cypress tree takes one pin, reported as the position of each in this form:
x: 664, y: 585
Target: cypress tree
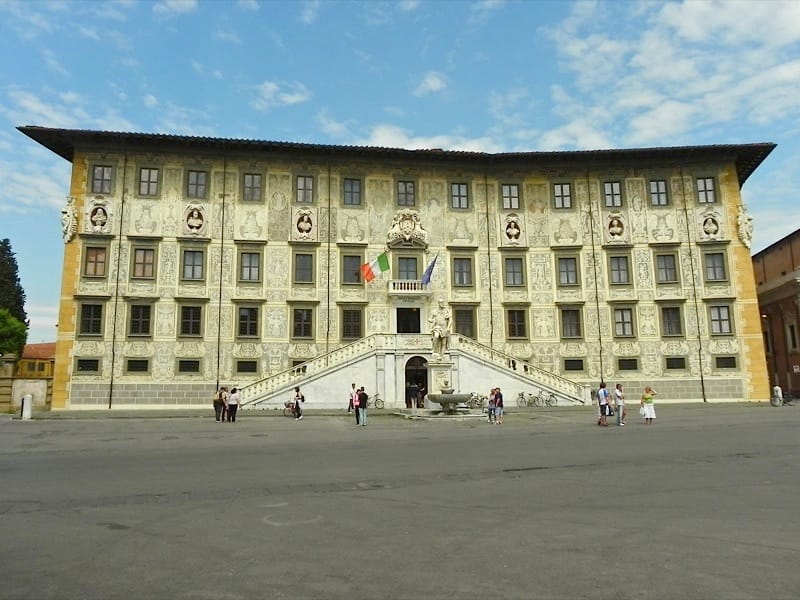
x: 12, y: 296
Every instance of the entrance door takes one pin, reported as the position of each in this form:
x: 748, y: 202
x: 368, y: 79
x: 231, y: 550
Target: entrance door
x: 408, y: 320
x: 416, y: 382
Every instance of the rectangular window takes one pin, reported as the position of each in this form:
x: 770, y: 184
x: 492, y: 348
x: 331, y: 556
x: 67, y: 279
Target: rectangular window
x: 140, y: 319
x: 251, y: 187
x: 510, y: 192
x: 302, y: 322
x: 196, y: 184
x: 462, y: 272
x: 514, y: 272
x: 571, y: 323
x: 725, y: 362
x: 792, y: 337
x: 623, y: 322
x: 675, y: 362
x: 458, y: 195
x: 517, y: 323
x: 562, y: 195
x: 303, y: 268
x: 305, y: 189
x: 95, y: 262
x: 101, y: 179
x: 628, y: 364
x: 351, y: 269
x: 144, y: 260
x: 612, y: 194
x: 191, y: 320
x: 666, y: 268
x: 671, y: 322
x: 658, y: 192
x: 568, y: 271
x: 406, y: 194
x: 720, y: 320
x: 188, y: 365
x: 247, y: 366
x: 573, y: 364
x: 250, y: 266
x: 705, y: 190
x: 715, y: 266
x: 137, y: 365
x: 618, y: 267
x: 193, y: 265
x: 87, y: 365
x: 247, y: 319
x: 407, y: 268
x: 464, y: 322
x: 91, y: 319
x: 352, y: 323
x: 148, y: 181
x: 352, y: 192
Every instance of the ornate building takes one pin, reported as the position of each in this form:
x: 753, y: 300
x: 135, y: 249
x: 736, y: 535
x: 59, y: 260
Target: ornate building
x: 195, y: 262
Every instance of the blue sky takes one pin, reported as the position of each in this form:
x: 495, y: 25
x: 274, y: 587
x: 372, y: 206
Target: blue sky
x: 489, y: 76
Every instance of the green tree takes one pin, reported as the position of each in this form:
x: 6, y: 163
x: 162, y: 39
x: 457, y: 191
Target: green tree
x: 12, y: 296
x: 13, y: 333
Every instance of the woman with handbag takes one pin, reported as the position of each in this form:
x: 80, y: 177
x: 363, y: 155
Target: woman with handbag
x: 648, y: 410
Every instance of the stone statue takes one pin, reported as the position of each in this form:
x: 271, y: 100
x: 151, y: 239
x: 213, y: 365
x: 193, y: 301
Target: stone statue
x: 69, y: 221
x: 440, y: 328
x: 745, y: 226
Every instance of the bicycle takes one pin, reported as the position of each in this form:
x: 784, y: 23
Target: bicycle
x: 477, y: 400
x: 289, y: 409
x: 377, y: 401
x: 538, y: 400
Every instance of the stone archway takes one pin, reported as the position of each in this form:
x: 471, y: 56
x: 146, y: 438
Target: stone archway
x: 416, y: 382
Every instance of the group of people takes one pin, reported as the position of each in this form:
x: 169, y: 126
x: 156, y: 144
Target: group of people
x: 614, y: 404
x: 358, y: 404
x: 495, y: 409
x: 226, y: 405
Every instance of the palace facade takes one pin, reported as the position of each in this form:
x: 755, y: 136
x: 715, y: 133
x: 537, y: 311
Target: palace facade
x: 194, y: 262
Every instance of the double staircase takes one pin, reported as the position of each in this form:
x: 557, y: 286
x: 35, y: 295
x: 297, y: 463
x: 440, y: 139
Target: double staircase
x: 331, y: 374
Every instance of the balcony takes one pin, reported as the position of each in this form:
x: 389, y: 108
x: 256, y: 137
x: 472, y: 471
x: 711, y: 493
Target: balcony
x: 408, y: 288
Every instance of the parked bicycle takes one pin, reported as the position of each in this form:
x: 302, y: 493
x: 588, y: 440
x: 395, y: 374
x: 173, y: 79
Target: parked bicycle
x: 377, y: 401
x: 290, y: 408
x: 477, y: 400
x: 541, y: 399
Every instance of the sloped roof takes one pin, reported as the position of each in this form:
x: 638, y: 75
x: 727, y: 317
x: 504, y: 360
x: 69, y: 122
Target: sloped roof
x: 45, y: 351
x: 64, y: 142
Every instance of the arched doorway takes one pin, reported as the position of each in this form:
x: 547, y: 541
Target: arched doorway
x: 416, y: 382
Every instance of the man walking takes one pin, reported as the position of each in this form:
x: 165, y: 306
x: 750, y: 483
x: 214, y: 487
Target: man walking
x: 602, y: 401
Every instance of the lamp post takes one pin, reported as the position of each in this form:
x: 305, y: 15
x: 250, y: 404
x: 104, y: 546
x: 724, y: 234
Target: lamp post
x: 770, y: 348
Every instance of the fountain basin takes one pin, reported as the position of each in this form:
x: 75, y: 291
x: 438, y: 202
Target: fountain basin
x: 449, y: 402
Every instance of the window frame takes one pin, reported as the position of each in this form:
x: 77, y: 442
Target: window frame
x: 666, y: 322
x: 136, y: 264
x: 299, y: 269
x: 659, y: 269
x: 193, y: 251
x: 240, y: 362
x: 102, y: 183
x: 78, y: 371
x: 513, y: 322
x: 612, y: 194
x: 402, y: 270
x: 147, y: 184
x: 129, y: 360
x: 715, y: 319
x: 509, y: 276
x: 139, y: 321
x: 352, y: 197
x: 706, y: 191
x: 577, y: 271
x: 714, y: 269
x: 193, y: 321
x: 459, y: 195
x: 406, y: 192
x: 624, y: 328
x: 561, y: 200
x: 615, y: 271
x: 577, y: 324
x: 458, y: 321
x: 463, y: 278
x: 510, y: 196
x: 345, y: 332
x: 250, y: 191
x: 658, y: 197
x: 90, y: 326
x: 88, y: 251
x: 197, y: 182
x: 251, y: 326
x: 250, y: 252
x: 309, y: 323
x: 304, y: 189
x: 355, y: 278
x: 182, y: 362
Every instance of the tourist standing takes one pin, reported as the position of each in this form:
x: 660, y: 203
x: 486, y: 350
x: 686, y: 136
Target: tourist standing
x: 362, y: 406
x: 353, y: 394
x: 220, y: 398
x: 649, y: 409
x: 619, y: 404
x: 233, y: 405
x: 602, y: 401
x: 298, y: 402
x: 498, y: 406
x: 492, y: 405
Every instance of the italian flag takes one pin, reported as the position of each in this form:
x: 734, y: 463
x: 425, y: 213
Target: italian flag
x: 371, y: 269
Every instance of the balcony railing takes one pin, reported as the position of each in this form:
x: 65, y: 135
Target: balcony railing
x: 408, y: 287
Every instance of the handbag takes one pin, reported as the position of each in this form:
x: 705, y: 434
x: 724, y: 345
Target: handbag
x: 642, y: 411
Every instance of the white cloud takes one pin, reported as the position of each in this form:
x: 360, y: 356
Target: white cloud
x: 247, y: 4
x: 408, y: 5
x: 310, y: 11
x: 52, y: 62
x: 391, y: 136
x: 228, y: 36
x: 171, y: 8
x: 431, y: 83
x: 271, y: 94
x: 481, y: 10
x: 43, y: 319
x: 332, y: 127
x: 150, y: 101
